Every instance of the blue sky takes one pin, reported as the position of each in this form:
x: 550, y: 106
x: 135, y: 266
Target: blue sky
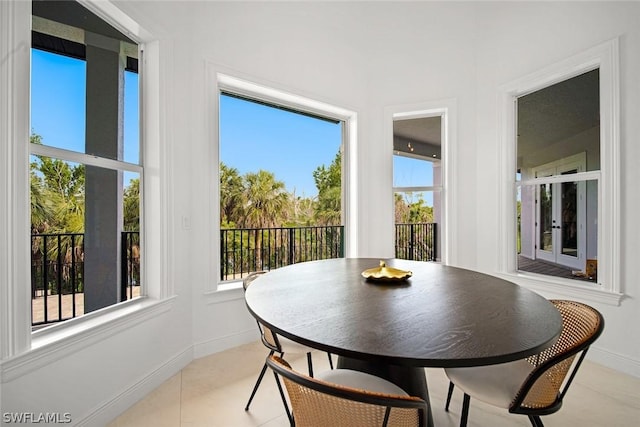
x: 252, y: 136
x: 292, y: 146
x: 58, y: 104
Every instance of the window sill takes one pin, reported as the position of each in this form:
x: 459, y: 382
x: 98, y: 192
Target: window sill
x: 55, y: 342
x: 565, y: 287
x: 229, y: 291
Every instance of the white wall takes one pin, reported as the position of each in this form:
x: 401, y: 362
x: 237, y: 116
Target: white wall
x: 363, y: 57
x: 521, y: 38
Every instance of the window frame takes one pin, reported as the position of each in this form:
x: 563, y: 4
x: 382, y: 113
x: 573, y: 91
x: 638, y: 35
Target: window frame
x: 22, y: 350
x: 447, y: 110
x: 225, y: 81
x: 605, y: 57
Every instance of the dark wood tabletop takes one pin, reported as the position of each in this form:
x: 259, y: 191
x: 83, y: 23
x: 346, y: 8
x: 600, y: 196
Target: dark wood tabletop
x: 440, y: 317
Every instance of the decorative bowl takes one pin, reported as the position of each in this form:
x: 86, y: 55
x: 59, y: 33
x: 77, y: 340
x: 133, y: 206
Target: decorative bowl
x: 386, y: 274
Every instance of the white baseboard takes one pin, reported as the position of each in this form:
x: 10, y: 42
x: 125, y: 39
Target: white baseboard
x: 618, y: 362
x: 216, y: 345
x: 108, y: 411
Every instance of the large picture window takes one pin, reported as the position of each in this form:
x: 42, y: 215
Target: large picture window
x: 286, y: 175
x: 280, y: 186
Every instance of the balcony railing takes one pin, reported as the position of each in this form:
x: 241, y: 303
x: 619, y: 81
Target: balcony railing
x: 417, y: 241
x: 57, y: 269
x: 57, y: 260
x: 57, y: 275
x: 251, y: 249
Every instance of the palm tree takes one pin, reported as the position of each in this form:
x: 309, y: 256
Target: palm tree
x: 41, y: 211
x: 231, y: 195
x: 266, y: 200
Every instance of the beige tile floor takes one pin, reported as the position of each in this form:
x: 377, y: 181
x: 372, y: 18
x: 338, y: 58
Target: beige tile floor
x: 212, y: 391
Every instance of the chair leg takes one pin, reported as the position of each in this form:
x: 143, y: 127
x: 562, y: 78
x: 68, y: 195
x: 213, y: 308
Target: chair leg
x: 535, y: 421
x: 255, y: 387
x: 465, y: 410
x: 284, y: 400
x: 330, y: 360
x: 449, y: 394
x: 310, y: 364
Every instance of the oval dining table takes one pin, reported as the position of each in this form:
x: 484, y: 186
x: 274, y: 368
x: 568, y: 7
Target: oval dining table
x: 441, y: 316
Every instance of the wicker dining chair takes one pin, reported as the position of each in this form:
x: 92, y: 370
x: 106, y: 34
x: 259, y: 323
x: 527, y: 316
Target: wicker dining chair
x: 347, y: 398
x: 276, y: 344
x: 534, y: 386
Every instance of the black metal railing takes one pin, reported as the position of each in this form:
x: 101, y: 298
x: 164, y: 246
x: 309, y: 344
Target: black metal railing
x: 57, y: 269
x: 130, y: 267
x: 57, y: 274
x: 252, y: 249
x: 57, y: 260
x: 417, y: 241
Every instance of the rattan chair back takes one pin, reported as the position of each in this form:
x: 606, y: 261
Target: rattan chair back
x: 318, y: 403
x: 555, y: 367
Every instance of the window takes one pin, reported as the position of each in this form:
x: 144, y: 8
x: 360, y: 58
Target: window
x: 280, y: 186
x: 85, y: 166
x: 559, y: 141
x: 561, y: 155
x: 417, y: 183
x: 21, y: 347
x: 294, y: 151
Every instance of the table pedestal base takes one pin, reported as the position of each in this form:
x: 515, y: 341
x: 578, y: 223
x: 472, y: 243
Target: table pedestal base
x: 411, y: 379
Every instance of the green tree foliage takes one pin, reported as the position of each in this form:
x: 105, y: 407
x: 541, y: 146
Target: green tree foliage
x: 302, y: 212
x: 266, y: 200
x: 58, y: 196
x: 131, y: 206
x: 259, y: 200
x: 329, y: 184
x: 401, y: 209
x: 412, y: 209
x: 231, y: 195
x: 41, y: 208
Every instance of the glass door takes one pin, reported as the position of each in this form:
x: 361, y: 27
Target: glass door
x: 560, y: 218
x: 545, y: 220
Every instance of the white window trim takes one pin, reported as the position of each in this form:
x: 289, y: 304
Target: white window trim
x: 21, y: 351
x: 447, y: 110
x: 605, y: 57
x: 15, y: 39
x: 220, y: 79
